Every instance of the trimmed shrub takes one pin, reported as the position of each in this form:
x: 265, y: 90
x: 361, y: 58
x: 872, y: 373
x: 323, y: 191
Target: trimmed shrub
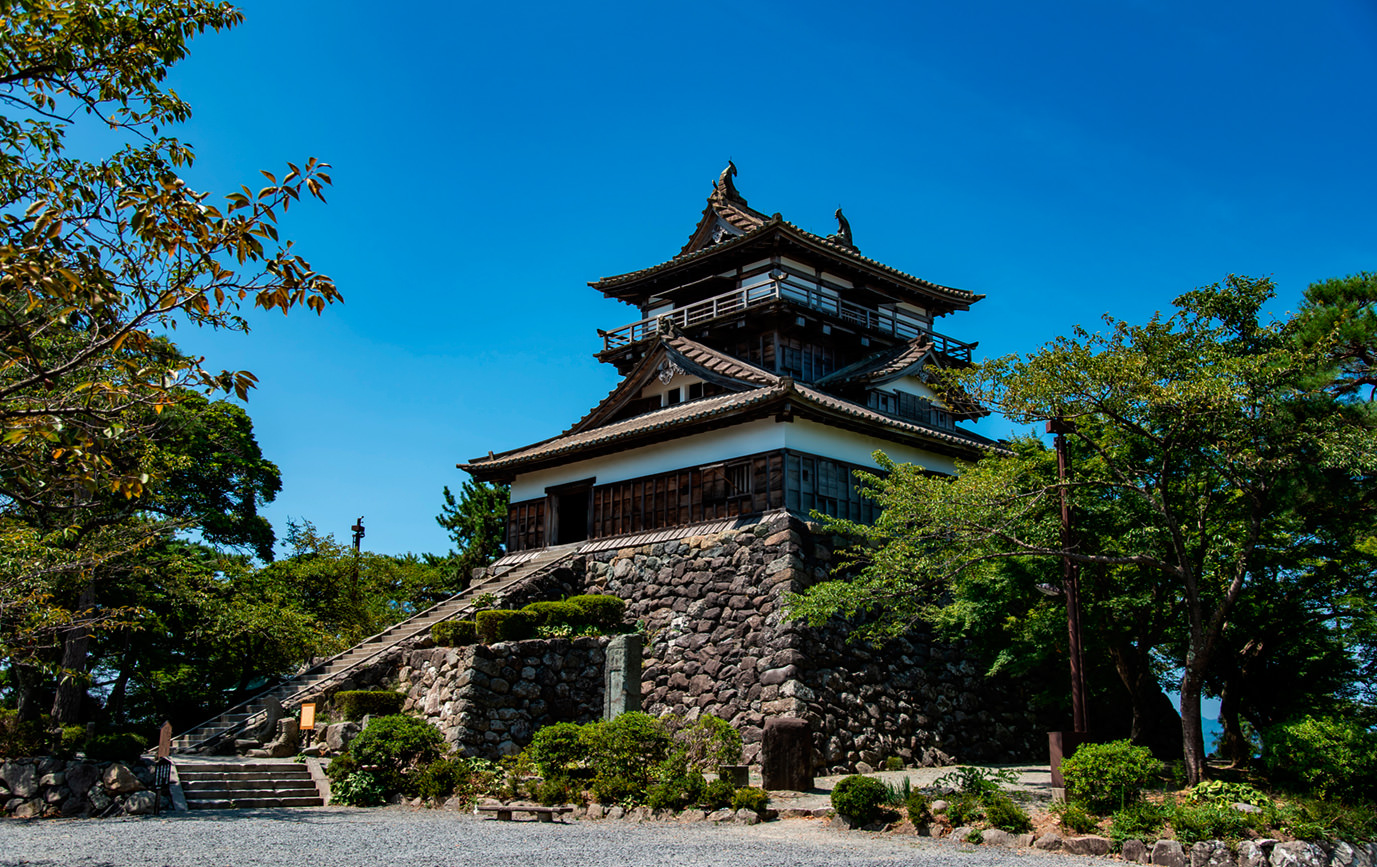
x: 859, y: 798
x: 709, y: 743
x: 718, y: 794
x: 1324, y: 756
x: 1002, y: 813
x: 556, y: 748
x: 441, y: 778
x: 454, y: 633
x: 1108, y: 777
x: 115, y: 747
x: 631, y: 745
x: 393, y: 746
x: 341, y: 766
x: 750, y: 798
x: 556, y: 614
x: 894, y: 763
x: 495, y: 626
x: 605, y: 612
x: 552, y: 792
x: 355, y: 704
x: 676, y: 792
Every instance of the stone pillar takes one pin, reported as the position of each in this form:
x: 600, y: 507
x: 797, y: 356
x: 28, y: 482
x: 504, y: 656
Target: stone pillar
x: 622, y: 676
x: 786, y: 755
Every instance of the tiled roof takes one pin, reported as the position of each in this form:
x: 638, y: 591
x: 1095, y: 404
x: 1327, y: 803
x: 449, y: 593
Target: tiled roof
x: 707, y: 409
x: 776, y: 222
x: 881, y: 365
x: 719, y: 362
x: 671, y: 416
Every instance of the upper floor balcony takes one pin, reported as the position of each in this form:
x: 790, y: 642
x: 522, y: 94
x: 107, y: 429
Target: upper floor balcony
x: 782, y: 286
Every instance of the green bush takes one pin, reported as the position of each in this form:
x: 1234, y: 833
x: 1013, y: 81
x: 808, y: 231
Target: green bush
x: 709, y: 743
x: 454, y: 633
x: 1110, y: 776
x: 1327, y: 757
x: 391, y: 747
x: 556, y: 614
x: 1002, y: 813
x: 552, y: 792
x: 718, y: 794
x: 1141, y: 821
x: 341, y: 766
x: 860, y: 799
x: 495, y: 626
x: 115, y: 747
x: 359, y: 789
x: 1195, y: 822
x: 965, y: 809
x: 630, y: 746
x: 605, y: 612
x: 1227, y: 794
x: 750, y: 798
x: 676, y: 792
x: 975, y: 836
x: 1074, y: 818
x: 18, y: 739
x: 894, y: 763
x: 556, y: 748
x: 919, y: 807
x: 1318, y: 819
x: 438, y: 780
x: 69, y: 740
x: 356, y: 704
x: 975, y: 781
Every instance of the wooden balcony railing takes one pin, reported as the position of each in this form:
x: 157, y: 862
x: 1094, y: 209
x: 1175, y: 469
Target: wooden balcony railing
x: 794, y: 290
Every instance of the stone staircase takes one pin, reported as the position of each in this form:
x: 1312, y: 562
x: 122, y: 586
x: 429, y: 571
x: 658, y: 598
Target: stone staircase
x: 231, y: 784
x: 502, y: 578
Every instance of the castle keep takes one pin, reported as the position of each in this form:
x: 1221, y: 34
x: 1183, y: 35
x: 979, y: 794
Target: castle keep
x: 766, y: 364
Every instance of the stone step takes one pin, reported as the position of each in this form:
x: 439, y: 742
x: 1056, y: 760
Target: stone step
x: 203, y: 778
x: 243, y: 789
x: 254, y: 803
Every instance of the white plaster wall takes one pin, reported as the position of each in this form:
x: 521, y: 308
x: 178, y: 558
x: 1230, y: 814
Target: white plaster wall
x: 656, y: 388
x: 913, y: 385
x: 747, y: 439
x: 734, y: 442
x: 854, y: 448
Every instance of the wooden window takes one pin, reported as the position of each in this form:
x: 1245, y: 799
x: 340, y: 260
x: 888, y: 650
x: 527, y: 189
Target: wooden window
x: 673, y: 396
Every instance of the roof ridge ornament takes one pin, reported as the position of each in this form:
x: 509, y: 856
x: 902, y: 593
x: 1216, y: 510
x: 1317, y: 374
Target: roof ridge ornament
x: 724, y: 187
x: 843, y: 235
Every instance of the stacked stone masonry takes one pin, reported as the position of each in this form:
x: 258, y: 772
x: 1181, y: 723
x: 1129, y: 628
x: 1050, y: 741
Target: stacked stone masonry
x: 490, y: 700
x: 51, y: 787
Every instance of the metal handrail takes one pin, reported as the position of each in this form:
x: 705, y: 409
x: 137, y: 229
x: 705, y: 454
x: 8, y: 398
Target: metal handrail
x: 255, y: 717
x: 788, y: 287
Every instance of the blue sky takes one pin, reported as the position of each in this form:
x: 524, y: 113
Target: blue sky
x: 1066, y: 159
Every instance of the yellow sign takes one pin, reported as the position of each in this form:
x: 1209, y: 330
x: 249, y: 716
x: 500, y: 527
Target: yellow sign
x: 308, y: 716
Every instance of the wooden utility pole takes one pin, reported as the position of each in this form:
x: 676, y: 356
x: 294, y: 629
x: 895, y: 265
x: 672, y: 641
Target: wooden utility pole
x: 1070, y: 578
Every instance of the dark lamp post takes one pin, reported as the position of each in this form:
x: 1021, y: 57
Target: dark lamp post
x: 1070, y: 578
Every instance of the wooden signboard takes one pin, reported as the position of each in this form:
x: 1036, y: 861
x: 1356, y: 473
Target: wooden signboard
x: 165, y: 740
x: 308, y: 716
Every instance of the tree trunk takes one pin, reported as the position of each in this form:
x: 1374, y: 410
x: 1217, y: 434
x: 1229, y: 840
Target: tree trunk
x: 1155, y: 724
x: 1192, y: 734
x: 28, y: 688
x: 1234, y: 746
x: 71, y: 684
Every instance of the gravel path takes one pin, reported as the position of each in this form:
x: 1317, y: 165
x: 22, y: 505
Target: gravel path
x: 345, y: 837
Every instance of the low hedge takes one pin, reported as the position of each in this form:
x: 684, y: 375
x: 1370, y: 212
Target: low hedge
x: 606, y: 612
x: 556, y: 614
x: 495, y: 626
x: 454, y: 633
x: 115, y: 747
x: 359, y: 703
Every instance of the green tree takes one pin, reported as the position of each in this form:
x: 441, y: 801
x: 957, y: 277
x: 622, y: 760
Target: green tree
x: 99, y: 257
x: 477, y: 523
x: 1195, y: 437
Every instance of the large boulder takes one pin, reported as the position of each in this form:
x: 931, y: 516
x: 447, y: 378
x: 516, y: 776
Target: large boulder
x: 81, y: 776
x: 141, y: 803
x: 1211, y: 853
x: 20, y: 778
x: 1168, y: 853
x: 1298, y: 853
x: 119, y: 780
x: 1134, y: 851
x: 1088, y: 845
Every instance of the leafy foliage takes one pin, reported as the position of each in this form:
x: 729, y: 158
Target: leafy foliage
x: 556, y: 749
x: 1002, y: 813
x: 1142, y: 820
x: 358, y: 789
x: 1108, y: 777
x: 750, y: 798
x: 861, y: 799
x: 708, y: 743
x: 1326, y: 756
x: 393, y: 747
x: 454, y: 633
x: 975, y: 781
x: 357, y: 703
x: 477, y: 524
x: 1073, y: 817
